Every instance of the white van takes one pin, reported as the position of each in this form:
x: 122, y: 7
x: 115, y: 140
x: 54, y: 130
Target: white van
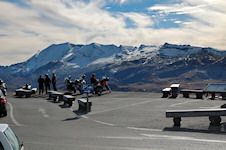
x: 8, y: 139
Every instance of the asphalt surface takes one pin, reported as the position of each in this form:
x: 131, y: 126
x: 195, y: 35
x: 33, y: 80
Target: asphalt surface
x: 117, y: 121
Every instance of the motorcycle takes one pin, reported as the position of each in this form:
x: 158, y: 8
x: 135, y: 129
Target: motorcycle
x: 3, y: 87
x: 70, y: 85
x: 100, y: 85
x: 78, y: 85
x: 3, y: 101
x: 98, y: 88
x: 104, y: 83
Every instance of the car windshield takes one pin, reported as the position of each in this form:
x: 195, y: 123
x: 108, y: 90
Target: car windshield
x: 15, y: 142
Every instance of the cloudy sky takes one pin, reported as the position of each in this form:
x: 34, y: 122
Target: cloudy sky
x: 27, y: 26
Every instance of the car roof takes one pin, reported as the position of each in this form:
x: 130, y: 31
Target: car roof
x: 3, y: 127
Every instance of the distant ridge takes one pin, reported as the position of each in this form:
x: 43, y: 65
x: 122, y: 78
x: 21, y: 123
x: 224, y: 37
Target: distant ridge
x: 144, y: 68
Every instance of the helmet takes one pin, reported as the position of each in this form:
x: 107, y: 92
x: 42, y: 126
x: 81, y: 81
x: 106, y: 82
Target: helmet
x: 77, y: 81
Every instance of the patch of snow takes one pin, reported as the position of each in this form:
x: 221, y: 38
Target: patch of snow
x: 54, y: 52
x: 113, y: 70
x: 68, y: 57
x: 170, y: 50
x: 103, y: 61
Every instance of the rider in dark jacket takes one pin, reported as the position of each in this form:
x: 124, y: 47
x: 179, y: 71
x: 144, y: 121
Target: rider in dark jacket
x: 93, y: 79
x: 47, y: 83
x: 41, y: 82
x: 54, y: 78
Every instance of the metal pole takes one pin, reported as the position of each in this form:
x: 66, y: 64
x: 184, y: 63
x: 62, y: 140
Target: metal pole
x: 87, y: 106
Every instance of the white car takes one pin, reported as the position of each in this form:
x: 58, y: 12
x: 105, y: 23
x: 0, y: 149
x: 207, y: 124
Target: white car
x: 8, y: 139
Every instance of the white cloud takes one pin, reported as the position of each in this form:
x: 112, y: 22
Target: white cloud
x: 48, y: 22
x: 207, y: 21
x: 126, y: 1
x: 122, y: 1
x: 180, y: 8
x: 139, y: 19
x: 24, y: 30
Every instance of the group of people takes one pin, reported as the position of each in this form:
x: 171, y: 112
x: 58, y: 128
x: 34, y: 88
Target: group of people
x: 103, y: 82
x: 47, y: 82
x: 76, y: 85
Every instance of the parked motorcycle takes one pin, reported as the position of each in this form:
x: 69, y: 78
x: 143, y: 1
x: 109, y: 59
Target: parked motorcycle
x: 3, y: 109
x: 70, y: 85
x: 104, y: 83
x: 3, y: 87
x: 3, y: 101
x: 78, y: 85
x: 100, y: 86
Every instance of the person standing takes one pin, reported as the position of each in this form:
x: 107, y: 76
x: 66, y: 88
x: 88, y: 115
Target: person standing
x: 41, y: 82
x: 47, y: 83
x: 54, y: 78
x: 93, y: 79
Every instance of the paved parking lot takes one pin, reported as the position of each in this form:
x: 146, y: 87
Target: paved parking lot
x: 118, y: 120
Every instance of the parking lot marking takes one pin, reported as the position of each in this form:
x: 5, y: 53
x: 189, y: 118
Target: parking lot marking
x: 122, y: 137
x: 84, y: 116
x: 144, y: 129
x: 210, y: 107
x: 183, y: 103
x: 12, y: 116
x: 135, y: 104
x: 43, y: 111
x: 101, y: 122
x: 114, y: 100
x: 165, y: 137
x: 109, y: 124
x: 76, y: 146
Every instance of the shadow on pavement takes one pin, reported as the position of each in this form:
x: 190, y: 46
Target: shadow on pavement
x: 211, y: 130
x: 72, y: 119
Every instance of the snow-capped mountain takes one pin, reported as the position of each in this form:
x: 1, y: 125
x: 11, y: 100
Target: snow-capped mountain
x: 172, y: 50
x: 126, y: 65
x: 97, y: 54
x: 84, y: 55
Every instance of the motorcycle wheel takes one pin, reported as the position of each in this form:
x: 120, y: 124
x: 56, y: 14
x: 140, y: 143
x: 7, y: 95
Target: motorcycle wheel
x: 99, y: 92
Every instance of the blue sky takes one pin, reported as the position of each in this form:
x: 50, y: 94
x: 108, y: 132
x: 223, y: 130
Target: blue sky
x: 27, y: 26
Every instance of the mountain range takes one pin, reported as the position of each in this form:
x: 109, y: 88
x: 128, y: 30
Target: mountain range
x: 144, y: 68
